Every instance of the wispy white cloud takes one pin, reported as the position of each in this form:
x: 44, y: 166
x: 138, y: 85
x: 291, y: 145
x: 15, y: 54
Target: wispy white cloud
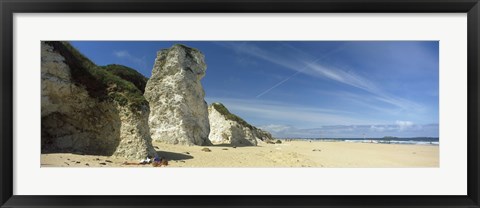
x: 262, y: 110
x: 311, y: 66
x: 277, y: 128
x: 250, y: 49
x: 404, y: 124
x: 278, y: 84
x: 371, y: 102
x: 124, y: 54
x: 121, y: 54
x: 352, y: 131
x: 292, y: 120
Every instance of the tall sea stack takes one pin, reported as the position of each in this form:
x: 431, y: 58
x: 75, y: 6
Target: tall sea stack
x: 178, y: 111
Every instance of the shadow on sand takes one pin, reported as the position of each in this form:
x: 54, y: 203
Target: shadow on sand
x: 222, y: 145
x: 173, y: 155
x: 233, y: 146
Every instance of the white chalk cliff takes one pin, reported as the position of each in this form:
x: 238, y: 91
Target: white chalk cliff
x: 114, y: 110
x: 227, y: 128
x: 84, y: 119
x: 178, y: 111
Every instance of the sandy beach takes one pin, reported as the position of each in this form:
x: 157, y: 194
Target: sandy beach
x: 287, y: 154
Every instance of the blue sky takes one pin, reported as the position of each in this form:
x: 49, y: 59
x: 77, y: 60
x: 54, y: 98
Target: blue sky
x: 339, y: 89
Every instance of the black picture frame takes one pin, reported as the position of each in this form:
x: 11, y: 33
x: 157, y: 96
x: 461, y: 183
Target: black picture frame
x: 9, y: 7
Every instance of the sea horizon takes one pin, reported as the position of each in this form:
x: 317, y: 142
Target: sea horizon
x: 380, y: 140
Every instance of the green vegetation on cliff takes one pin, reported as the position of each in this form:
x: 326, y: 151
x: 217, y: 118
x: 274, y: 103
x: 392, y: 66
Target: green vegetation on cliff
x: 100, y: 82
x: 224, y: 111
x: 128, y: 74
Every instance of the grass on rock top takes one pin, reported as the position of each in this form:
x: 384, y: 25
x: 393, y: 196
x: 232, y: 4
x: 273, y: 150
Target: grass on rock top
x: 104, y: 83
x: 229, y: 116
x: 128, y: 74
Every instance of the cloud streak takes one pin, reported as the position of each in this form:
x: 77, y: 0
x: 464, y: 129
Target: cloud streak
x: 276, y: 85
x: 261, y: 110
x: 124, y: 54
x: 353, y: 131
x: 300, y: 63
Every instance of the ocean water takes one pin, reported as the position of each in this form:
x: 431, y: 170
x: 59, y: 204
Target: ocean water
x: 412, y: 141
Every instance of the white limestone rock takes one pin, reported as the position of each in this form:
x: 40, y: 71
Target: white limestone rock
x: 178, y: 110
x: 227, y: 128
x: 72, y: 121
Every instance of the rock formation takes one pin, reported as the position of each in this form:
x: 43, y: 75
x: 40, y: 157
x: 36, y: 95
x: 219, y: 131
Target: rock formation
x: 178, y: 110
x: 227, y: 128
x: 128, y: 74
x: 88, y: 110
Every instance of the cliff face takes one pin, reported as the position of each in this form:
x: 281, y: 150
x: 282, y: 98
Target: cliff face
x: 227, y: 128
x: 114, y: 110
x: 178, y: 110
x: 264, y: 136
x: 88, y: 110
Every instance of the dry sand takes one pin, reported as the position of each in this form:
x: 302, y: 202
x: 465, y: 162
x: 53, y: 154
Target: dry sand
x: 287, y: 154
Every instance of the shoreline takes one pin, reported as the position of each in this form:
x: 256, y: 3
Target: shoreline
x: 317, y: 154
x: 404, y: 141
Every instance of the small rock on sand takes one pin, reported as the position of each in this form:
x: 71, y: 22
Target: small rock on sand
x: 187, y: 153
x: 103, y: 163
x: 206, y: 149
x: 317, y: 150
x: 224, y: 149
x: 109, y: 161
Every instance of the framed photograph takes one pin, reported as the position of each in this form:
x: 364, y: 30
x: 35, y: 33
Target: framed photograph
x: 267, y: 103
